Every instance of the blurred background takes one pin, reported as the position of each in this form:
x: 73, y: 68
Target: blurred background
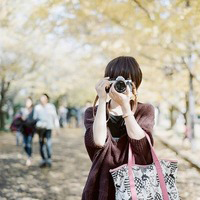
x: 61, y: 47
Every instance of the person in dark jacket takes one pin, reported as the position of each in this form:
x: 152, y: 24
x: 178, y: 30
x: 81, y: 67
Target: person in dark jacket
x: 15, y: 127
x: 28, y: 128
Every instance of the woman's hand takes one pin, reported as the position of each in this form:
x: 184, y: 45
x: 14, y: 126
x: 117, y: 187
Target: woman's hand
x: 122, y: 99
x: 99, y: 125
x: 101, y: 88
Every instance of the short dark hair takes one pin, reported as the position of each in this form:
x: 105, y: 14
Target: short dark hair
x: 29, y: 97
x: 47, y: 96
x: 125, y: 66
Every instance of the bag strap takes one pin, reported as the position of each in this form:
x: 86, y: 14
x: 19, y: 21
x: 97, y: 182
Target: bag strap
x: 132, y: 183
x: 131, y: 162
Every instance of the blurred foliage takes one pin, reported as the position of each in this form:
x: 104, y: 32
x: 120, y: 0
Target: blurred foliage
x: 62, y: 47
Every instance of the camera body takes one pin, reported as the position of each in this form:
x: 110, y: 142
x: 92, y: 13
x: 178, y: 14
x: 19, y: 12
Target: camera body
x: 120, y: 84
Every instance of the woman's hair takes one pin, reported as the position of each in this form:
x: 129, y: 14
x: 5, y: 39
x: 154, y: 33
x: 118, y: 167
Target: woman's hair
x: 30, y: 98
x: 127, y: 67
x: 47, y: 96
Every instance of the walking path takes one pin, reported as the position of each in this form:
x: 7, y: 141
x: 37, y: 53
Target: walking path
x: 184, y: 148
x: 66, y: 178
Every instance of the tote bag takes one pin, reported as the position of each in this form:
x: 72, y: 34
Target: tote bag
x: 156, y: 181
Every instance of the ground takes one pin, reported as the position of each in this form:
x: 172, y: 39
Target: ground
x: 66, y: 179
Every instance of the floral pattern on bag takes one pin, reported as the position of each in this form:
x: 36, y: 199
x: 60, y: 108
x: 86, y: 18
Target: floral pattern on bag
x: 146, y: 181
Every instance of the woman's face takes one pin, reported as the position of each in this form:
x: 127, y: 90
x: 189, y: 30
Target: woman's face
x: 29, y: 103
x: 43, y: 99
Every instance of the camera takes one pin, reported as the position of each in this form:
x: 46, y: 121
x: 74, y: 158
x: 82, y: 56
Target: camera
x: 120, y: 84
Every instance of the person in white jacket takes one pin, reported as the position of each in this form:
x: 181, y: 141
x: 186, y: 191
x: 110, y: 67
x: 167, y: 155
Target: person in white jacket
x: 47, y: 120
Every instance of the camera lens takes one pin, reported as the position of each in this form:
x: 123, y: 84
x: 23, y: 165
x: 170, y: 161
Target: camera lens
x: 120, y: 86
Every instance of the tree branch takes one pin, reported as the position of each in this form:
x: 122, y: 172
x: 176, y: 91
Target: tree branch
x: 143, y: 8
x: 187, y: 67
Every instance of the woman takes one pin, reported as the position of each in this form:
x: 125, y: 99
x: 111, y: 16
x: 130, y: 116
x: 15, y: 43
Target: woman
x: 111, y: 126
x: 28, y: 128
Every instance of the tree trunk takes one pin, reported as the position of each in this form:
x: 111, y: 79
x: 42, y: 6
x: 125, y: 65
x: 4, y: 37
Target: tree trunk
x: 187, y: 3
x: 191, y: 114
x: 4, y: 89
x: 172, y: 111
x: 191, y: 107
x: 185, y: 115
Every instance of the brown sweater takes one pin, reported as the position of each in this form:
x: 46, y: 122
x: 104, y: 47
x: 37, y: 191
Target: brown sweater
x: 99, y: 184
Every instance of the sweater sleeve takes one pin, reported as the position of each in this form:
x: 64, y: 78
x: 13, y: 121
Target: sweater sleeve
x: 90, y: 145
x: 146, y: 121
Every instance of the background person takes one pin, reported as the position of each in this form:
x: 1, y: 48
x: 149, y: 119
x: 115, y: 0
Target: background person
x: 47, y: 120
x: 28, y: 128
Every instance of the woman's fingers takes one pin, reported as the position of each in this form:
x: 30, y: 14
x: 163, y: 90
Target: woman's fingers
x: 113, y: 93
x: 113, y: 89
x: 101, y: 82
x: 107, y: 84
x: 105, y: 79
x: 110, y: 91
x: 112, y: 96
x: 104, y: 84
x: 100, y: 87
x: 128, y: 91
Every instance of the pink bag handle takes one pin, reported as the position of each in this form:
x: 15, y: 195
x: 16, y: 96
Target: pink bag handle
x: 131, y: 162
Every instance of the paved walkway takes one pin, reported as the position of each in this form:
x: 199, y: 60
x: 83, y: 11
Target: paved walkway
x: 18, y: 182
x: 174, y: 140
